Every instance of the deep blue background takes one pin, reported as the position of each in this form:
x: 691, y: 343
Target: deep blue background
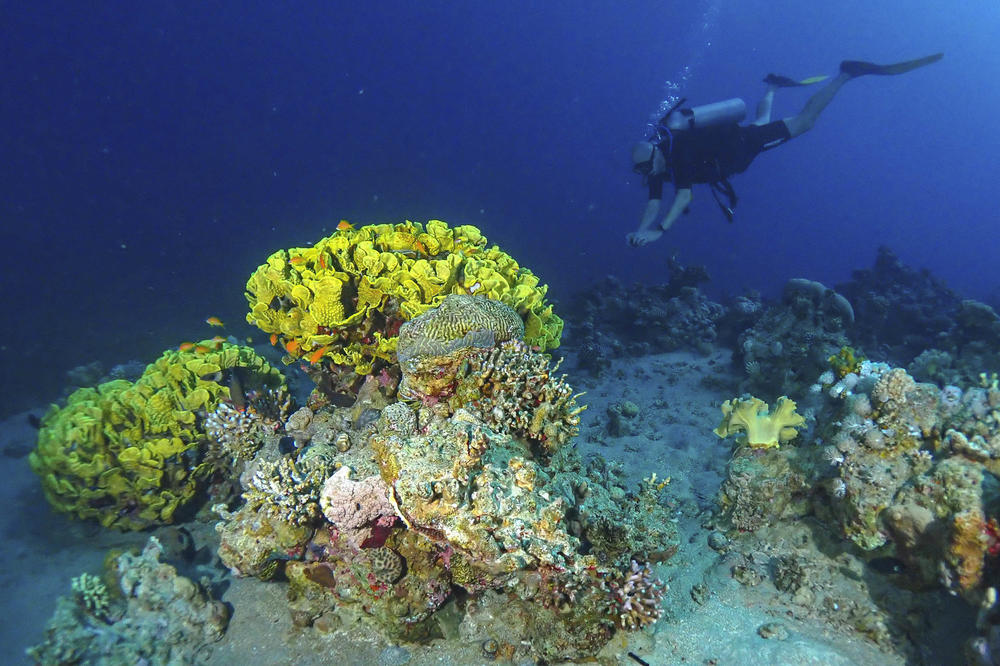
x: 155, y: 153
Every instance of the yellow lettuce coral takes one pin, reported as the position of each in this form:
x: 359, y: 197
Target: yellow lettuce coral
x: 129, y: 455
x: 344, y: 299
x: 759, y: 428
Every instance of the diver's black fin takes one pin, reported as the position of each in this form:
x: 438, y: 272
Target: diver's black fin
x: 860, y: 67
x: 785, y: 82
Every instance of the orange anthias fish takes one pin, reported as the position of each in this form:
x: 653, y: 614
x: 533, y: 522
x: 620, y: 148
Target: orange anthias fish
x: 185, y: 346
x: 292, y: 346
x: 274, y: 339
x: 297, y: 260
x: 214, y: 321
x: 315, y: 356
x: 344, y: 225
x: 202, y: 349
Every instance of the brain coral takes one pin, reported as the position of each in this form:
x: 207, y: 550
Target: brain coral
x: 129, y: 455
x: 433, y: 346
x: 460, y: 321
x: 343, y: 299
x: 467, y: 352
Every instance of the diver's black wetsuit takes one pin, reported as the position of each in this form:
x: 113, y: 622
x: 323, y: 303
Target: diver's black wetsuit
x: 712, y: 154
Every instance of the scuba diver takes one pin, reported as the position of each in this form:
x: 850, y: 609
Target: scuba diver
x: 707, y: 144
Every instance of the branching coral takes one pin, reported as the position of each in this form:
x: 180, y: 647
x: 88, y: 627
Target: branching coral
x: 234, y: 430
x: 634, y: 596
x: 92, y: 595
x: 517, y: 391
x: 287, y: 490
x: 240, y: 431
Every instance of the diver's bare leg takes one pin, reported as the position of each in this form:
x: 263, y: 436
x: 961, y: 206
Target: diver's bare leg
x: 806, y: 118
x: 764, y: 106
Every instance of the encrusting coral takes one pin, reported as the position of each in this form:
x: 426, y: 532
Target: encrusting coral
x: 343, y: 300
x: 130, y: 454
x: 756, y: 426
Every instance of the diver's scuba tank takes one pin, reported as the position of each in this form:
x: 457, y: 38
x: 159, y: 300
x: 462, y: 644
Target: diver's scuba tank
x: 718, y: 113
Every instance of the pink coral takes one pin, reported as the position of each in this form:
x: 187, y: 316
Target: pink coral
x: 352, y: 504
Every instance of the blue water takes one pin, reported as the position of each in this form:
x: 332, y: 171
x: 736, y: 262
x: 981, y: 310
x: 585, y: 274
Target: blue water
x: 155, y: 153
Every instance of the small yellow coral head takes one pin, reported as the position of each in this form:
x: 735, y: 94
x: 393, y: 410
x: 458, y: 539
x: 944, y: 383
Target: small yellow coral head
x: 760, y: 428
x: 846, y: 361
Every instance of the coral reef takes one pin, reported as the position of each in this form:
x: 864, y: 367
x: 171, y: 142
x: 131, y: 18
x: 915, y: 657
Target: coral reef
x: 912, y: 319
x: 460, y: 504
x: 791, y: 342
x: 130, y: 454
x: 469, y: 486
x: 157, y: 617
x: 907, y: 471
x: 899, y: 310
x: 341, y: 302
x: 612, y: 320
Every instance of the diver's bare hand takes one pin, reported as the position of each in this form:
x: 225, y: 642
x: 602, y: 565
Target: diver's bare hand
x: 640, y: 238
